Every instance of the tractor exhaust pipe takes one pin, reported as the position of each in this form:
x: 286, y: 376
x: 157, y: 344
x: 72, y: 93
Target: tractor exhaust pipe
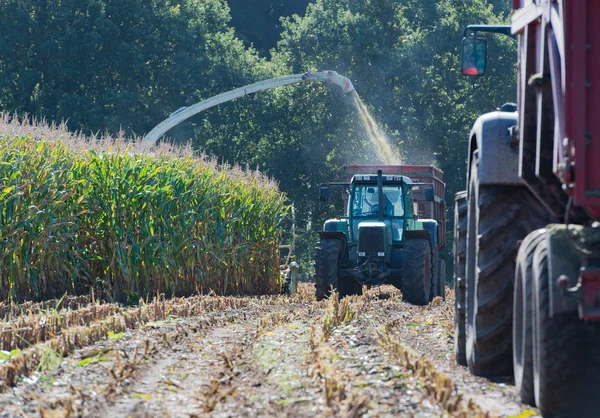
x: 380, y: 194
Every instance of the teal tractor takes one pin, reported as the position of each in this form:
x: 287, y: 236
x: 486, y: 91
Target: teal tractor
x: 380, y: 240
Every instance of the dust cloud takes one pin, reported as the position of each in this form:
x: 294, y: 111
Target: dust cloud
x: 382, y: 146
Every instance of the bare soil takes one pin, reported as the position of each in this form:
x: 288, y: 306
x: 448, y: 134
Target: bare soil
x: 369, y: 356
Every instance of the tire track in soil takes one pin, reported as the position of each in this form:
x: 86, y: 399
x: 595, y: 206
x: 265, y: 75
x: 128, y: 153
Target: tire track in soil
x: 345, y: 375
x: 212, y: 374
x: 243, y: 370
x: 107, y: 385
x: 300, y: 359
x: 367, y: 371
x: 192, y: 377
x: 428, y: 330
x: 266, y: 372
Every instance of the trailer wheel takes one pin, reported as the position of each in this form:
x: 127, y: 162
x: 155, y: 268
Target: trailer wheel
x: 417, y: 271
x: 566, y: 352
x: 460, y: 247
x: 326, y: 267
x: 441, y: 291
x: 498, y: 218
x: 522, y: 315
x: 435, y: 279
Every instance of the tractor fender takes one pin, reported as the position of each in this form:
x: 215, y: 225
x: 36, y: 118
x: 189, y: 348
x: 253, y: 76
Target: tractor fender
x: 431, y: 226
x: 564, y: 259
x: 334, y: 235
x: 336, y: 225
x: 498, y: 158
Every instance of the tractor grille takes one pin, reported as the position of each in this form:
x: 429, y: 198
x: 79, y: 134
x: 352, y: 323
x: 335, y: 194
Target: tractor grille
x: 371, y: 240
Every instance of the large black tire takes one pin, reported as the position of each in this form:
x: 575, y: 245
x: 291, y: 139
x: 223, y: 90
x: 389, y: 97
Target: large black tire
x: 327, y: 258
x: 498, y: 218
x: 441, y: 272
x: 566, y: 353
x: 522, y: 315
x: 460, y: 250
x: 433, y: 291
x: 417, y: 271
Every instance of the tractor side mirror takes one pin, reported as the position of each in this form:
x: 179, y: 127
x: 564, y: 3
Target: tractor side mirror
x: 474, y: 56
x: 324, y: 194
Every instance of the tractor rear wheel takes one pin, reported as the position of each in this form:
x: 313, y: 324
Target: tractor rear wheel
x: 460, y: 247
x: 522, y: 314
x: 327, y: 258
x: 566, y: 352
x: 498, y: 218
x: 417, y: 271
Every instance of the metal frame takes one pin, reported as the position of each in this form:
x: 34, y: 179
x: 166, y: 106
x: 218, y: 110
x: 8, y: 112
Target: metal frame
x: 558, y: 88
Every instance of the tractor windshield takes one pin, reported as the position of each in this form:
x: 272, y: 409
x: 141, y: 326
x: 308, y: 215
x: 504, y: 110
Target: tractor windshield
x: 366, y: 201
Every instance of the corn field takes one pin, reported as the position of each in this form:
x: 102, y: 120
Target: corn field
x: 125, y: 225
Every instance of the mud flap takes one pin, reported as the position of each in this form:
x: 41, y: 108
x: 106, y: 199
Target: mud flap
x: 565, y: 263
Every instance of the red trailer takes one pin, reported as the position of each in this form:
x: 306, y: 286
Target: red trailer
x: 531, y: 260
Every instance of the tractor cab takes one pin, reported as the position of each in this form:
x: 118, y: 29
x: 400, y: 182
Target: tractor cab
x: 379, y: 240
x: 365, y: 209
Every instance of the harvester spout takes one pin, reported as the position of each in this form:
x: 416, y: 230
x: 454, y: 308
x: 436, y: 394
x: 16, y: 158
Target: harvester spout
x: 343, y: 82
x: 187, y: 112
x: 331, y: 77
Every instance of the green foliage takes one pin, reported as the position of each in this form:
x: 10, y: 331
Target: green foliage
x: 115, y: 336
x: 7, y: 355
x: 111, y: 65
x: 49, y: 360
x: 122, y: 223
x: 91, y: 360
x: 257, y: 22
x: 403, y: 57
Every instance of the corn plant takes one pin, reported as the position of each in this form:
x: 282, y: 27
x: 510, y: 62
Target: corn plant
x: 130, y: 225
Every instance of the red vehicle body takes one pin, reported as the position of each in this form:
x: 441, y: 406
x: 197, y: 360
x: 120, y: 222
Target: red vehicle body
x: 527, y: 229
x: 569, y: 32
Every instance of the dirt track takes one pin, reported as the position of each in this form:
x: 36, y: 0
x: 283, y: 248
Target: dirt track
x: 367, y: 356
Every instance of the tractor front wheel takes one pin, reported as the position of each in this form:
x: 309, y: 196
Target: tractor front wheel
x: 498, y: 218
x: 327, y: 258
x: 417, y: 271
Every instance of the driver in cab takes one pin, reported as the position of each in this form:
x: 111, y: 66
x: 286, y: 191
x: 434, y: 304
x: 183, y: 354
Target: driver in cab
x: 390, y: 198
